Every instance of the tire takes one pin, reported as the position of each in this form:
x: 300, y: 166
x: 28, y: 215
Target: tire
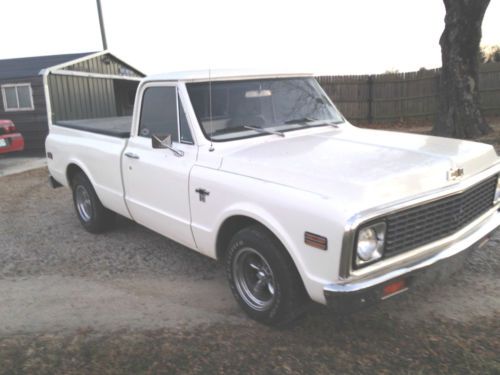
x: 94, y: 217
x: 263, y: 277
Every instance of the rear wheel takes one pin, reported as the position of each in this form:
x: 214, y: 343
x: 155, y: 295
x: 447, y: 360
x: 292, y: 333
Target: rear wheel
x: 94, y: 217
x: 263, y: 278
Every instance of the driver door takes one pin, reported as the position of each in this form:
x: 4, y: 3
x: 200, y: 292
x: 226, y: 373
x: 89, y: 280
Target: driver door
x: 156, y: 181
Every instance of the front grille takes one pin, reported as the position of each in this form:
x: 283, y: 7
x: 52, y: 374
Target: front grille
x: 433, y: 221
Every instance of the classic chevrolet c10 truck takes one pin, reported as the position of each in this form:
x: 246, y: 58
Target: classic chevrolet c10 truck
x: 262, y: 172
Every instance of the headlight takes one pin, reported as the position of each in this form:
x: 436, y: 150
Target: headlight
x: 497, y: 191
x: 370, y: 245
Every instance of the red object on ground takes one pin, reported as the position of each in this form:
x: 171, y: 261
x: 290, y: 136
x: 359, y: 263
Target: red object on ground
x: 394, y: 288
x: 10, y: 140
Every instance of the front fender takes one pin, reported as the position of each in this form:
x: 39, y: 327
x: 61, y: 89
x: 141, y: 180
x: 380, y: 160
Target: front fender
x: 284, y: 211
x: 264, y: 217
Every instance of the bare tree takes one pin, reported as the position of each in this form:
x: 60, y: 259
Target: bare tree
x: 489, y: 54
x: 459, y: 114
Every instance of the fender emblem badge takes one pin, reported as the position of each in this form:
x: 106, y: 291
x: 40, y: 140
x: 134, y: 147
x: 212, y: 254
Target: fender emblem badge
x: 203, y: 194
x: 455, y: 174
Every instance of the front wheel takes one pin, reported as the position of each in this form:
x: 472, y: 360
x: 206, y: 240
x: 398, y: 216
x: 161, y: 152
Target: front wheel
x: 263, y: 278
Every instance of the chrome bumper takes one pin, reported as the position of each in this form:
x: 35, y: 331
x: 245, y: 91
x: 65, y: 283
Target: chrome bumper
x: 352, y: 296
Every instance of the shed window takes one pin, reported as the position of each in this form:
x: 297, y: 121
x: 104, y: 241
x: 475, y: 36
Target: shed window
x: 17, y: 97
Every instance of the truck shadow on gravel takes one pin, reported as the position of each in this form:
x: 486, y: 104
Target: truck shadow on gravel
x: 374, y: 344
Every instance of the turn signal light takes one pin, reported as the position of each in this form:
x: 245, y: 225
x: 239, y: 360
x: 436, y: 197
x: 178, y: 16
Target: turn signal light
x: 394, y: 288
x: 314, y: 240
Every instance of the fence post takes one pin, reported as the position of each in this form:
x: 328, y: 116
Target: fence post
x: 370, y: 99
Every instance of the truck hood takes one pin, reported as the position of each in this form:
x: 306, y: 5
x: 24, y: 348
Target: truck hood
x: 359, y: 167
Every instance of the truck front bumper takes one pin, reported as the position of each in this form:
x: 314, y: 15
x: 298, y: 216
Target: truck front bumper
x: 352, y: 296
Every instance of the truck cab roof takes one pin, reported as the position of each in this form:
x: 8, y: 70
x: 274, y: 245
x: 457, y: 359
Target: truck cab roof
x: 221, y: 75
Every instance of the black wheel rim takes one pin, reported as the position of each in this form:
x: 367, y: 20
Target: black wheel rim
x: 254, y: 279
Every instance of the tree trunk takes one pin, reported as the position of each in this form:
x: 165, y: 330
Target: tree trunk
x: 459, y: 114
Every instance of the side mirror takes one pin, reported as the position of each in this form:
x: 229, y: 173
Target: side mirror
x: 165, y: 141
x: 161, y: 141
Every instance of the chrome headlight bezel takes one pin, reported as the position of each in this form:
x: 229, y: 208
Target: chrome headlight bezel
x: 497, y: 191
x: 365, y: 254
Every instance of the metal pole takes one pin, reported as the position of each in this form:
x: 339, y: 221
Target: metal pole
x: 101, y: 23
x: 370, y: 99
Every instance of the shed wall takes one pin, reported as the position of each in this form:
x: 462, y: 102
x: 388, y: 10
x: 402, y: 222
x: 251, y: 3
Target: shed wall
x: 31, y: 124
x: 104, y: 64
x: 76, y: 98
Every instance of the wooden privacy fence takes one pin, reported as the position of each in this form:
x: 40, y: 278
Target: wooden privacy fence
x: 402, y: 97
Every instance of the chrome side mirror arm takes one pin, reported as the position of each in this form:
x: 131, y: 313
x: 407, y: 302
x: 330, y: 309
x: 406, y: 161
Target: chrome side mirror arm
x: 165, y: 142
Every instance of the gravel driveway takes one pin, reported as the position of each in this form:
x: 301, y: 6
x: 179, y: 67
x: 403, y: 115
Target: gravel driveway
x: 132, y: 301
x: 14, y: 163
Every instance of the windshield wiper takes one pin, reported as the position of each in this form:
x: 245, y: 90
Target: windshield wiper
x: 335, y: 124
x: 264, y: 130
x: 304, y: 121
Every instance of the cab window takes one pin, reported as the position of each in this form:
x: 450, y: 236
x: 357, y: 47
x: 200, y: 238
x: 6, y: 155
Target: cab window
x: 159, y: 112
x: 162, y: 113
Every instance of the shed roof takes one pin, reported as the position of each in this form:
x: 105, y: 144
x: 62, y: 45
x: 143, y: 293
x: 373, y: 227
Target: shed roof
x: 31, y: 66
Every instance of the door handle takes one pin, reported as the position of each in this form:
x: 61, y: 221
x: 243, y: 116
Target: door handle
x: 131, y: 155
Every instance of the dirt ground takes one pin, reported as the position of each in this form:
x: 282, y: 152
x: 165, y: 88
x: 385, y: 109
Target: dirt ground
x: 131, y: 301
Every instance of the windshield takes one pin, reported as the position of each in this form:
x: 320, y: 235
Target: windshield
x: 241, y: 109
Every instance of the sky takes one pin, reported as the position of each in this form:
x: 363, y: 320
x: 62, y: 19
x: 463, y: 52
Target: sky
x: 319, y: 36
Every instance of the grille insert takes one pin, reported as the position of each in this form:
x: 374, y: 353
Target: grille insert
x: 433, y: 221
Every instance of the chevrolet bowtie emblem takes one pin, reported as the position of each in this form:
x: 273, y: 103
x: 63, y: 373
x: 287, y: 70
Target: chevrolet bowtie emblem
x: 455, y: 174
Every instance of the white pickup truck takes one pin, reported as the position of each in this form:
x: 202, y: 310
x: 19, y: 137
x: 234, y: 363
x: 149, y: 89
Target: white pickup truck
x: 262, y: 172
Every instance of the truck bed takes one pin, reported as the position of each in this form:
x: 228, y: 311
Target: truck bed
x: 113, y: 126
